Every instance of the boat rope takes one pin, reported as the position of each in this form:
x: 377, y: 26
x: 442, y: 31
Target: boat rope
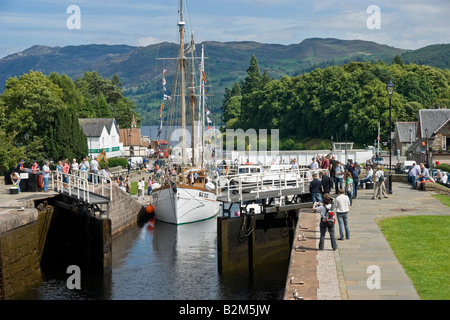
x: 245, y: 230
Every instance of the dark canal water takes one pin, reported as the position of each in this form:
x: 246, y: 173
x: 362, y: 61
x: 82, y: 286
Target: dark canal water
x: 162, y: 261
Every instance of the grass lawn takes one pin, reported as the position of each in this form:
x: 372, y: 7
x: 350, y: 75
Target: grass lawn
x: 443, y: 198
x: 422, y: 246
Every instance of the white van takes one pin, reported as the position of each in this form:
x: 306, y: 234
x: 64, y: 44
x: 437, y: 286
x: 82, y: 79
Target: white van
x: 407, y: 165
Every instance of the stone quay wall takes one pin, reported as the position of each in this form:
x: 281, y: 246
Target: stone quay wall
x: 21, y: 237
x: 123, y: 211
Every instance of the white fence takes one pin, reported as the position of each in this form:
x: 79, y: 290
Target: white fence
x: 82, y: 185
x: 264, y: 181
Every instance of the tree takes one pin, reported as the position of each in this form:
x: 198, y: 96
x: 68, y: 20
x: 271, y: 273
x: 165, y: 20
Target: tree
x: 398, y: 60
x: 9, y: 152
x: 232, y: 105
x: 248, y: 87
x: 33, y: 105
x: 30, y: 103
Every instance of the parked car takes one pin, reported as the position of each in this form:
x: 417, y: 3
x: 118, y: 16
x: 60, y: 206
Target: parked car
x: 406, y: 166
x: 378, y: 161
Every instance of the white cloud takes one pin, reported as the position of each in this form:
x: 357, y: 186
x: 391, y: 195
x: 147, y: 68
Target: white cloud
x: 405, y: 24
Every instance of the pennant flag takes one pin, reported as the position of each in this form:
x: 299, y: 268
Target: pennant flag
x: 209, y: 128
x: 162, y: 107
x: 164, y: 81
x: 164, y: 71
x: 207, y: 112
x: 208, y: 119
x: 166, y: 97
x: 204, y: 76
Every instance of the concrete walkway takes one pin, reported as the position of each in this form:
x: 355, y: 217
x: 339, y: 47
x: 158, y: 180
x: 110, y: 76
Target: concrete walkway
x: 349, y: 272
x: 368, y: 246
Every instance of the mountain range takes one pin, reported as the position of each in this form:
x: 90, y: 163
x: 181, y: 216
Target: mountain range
x: 140, y: 68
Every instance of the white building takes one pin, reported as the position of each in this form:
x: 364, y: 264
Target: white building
x: 102, y: 133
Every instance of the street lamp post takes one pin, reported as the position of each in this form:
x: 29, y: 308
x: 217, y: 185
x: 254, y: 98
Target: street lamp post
x: 426, y: 147
x: 390, y: 90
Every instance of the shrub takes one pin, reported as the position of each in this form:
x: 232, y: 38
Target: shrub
x: 444, y: 167
x: 114, y: 162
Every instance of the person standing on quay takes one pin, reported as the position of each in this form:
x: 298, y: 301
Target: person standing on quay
x: 65, y: 170
x: 75, y: 167
x: 94, y: 169
x: 327, y: 183
x: 46, y: 175
x: 355, y: 170
x: 314, y: 165
x: 342, y: 205
x: 348, y: 185
x: 315, y: 188
x: 379, y: 179
x: 339, y: 175
x: 325, y: 222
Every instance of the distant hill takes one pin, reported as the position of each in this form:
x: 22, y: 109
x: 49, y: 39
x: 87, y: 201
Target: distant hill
x: 140, y: 71
x: 437, y: 55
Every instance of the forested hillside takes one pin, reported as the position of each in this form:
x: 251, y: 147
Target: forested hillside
x: 318, y: 104
x: 437, y: 55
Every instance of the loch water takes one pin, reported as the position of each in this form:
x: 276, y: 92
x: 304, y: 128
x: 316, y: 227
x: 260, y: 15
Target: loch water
x: 159, y: 261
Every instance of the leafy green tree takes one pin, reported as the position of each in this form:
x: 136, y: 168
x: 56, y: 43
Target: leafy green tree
x: 31, y: 102
x: 318, y: 104
x: 248, y: 87
x: 232, y: 104
x: 33, y: 106
x: 9, y: 152
x: 104, y: 98
x: 71, y: 96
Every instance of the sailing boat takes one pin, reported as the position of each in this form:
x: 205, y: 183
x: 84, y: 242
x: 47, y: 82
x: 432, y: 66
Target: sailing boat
x: 186, y: 196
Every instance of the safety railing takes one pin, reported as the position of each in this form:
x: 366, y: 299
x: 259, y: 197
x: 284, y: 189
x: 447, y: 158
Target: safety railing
x: 240, y: 184
x: 82, y: 184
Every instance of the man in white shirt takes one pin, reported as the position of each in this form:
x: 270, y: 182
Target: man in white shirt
x: 342, y: 206
x: 314, y: 165
x: 46, y: 175
x: 75, y: 167
x: 94, y: 169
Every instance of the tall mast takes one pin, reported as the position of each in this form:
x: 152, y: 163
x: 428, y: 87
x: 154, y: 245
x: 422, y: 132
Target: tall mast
x: 182, y: 65
x: 202, y: 111
x: 192, y: 99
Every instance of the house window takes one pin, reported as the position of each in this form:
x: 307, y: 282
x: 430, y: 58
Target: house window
x: 445, y: 142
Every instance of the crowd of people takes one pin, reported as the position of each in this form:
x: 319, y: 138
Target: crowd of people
x: 419, y: 174
x: 344, y: 180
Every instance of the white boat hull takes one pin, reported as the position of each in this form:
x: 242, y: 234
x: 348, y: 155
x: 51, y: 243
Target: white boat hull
x: 186, y: 205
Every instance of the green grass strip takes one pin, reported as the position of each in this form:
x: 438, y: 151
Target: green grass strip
x: 422, y: 246
x: 443, y: 198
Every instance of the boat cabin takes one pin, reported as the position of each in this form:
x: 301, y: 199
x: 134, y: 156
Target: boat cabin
x: 249, y: 169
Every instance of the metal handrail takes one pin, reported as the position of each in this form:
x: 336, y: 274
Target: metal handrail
x: 264, y: 181
x: 79, y: 183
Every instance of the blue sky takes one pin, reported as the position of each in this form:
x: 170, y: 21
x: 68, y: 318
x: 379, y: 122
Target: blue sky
x: 408, y: 24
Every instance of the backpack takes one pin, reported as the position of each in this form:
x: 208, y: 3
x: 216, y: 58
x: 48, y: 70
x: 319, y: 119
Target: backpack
x: 329, y: 215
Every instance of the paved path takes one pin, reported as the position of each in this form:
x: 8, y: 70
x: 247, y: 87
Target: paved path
x: 368, y: 246
x: 344, y: 273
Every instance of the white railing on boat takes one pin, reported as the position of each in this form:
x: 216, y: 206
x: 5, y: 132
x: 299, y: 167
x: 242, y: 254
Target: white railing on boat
x: 239, y: 184
x: 82, y: 185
